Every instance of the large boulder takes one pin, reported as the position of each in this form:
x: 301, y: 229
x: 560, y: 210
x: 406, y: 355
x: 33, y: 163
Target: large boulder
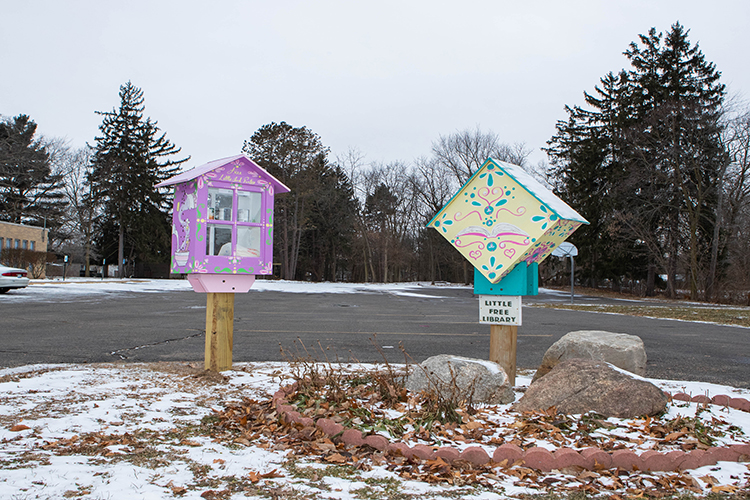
x: 452, y: 376
x: 581, y: 386
x: 622, y: 350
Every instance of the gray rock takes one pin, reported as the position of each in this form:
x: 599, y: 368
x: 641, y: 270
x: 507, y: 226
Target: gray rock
x: 580, y: 386
x: 455, y: 377
x: 622, y: 350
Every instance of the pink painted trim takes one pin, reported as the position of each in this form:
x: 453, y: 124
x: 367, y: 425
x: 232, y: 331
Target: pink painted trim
x: 221, y: 283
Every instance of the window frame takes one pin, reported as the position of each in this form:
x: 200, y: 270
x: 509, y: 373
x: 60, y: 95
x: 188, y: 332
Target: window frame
x: 234, y: 223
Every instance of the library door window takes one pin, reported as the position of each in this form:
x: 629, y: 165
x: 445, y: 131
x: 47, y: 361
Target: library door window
x: 235, y: 221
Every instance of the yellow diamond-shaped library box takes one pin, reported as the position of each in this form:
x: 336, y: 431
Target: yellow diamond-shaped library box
x: 503, y: 216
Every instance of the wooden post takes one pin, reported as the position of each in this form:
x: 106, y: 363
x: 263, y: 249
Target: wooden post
x: 503, y: 349
x: 219, y: 331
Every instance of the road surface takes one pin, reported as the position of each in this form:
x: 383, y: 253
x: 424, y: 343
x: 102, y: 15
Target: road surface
x: 365, y: 326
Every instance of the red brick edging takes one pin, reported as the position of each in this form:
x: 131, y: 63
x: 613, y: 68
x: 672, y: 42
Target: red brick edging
x: 537, y: 458
x: 741, y: 404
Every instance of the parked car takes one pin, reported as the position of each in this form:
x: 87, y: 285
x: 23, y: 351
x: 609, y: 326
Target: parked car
x: 12, y: 277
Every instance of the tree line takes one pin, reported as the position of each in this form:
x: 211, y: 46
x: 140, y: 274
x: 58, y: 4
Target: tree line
x: 656, y: 159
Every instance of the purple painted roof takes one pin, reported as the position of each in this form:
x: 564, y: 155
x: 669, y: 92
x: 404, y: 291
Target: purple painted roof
x: 191, y: 174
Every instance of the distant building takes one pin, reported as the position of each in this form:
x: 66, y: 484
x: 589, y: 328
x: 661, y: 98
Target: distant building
x: 21, y: 237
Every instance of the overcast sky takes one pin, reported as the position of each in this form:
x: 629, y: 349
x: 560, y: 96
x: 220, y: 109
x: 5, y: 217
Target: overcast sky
x: 384, y: 77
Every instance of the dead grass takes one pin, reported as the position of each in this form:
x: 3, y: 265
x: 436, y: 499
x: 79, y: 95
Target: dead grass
x: 737, y: 316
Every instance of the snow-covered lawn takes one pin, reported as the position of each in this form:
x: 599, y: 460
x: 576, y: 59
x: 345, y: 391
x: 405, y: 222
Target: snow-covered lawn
x: 111, y: 431
x: 145, y: 431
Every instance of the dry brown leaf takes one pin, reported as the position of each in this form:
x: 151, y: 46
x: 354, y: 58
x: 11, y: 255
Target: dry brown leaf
x: 710, y: 480
x: 178, y: 490
x: 324, y: 445
x: 521, y: 472
x: 214, y: 495
x: 19, y: 428
x: 438, y: 463
x: 728, y: 488
x: 336, y: 458
x: 674, y: 435
x: 572, y: 470
x: 272, y: 474
x: 587, y: 474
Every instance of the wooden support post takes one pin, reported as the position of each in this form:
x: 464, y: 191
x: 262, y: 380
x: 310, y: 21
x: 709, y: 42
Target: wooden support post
x: 219, y: 331
x: 503, y: 348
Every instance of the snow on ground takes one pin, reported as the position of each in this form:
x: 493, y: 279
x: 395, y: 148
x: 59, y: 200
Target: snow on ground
x: 72, y: 288
x: 114, y: 431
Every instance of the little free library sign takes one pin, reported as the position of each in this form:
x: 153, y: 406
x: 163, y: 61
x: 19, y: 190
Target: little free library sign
x: 499, y: 310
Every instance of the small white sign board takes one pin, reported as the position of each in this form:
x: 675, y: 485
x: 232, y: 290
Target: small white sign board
x: 500, y: 310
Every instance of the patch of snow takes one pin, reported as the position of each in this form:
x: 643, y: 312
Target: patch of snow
x: 69, y: 402
x: 59, y: 290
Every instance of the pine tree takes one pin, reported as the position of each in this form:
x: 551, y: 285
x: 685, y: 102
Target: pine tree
x: 29, y: 192
x: 288, y: 153
x: 678, y: 138
x: 643, y: 162
x: 130, y: 157
x: 587, y: 157
x: 327, y: 241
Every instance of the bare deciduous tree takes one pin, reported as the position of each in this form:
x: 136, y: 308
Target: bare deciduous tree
x: 463, y: 153
x: 736, y: 202
x: 75, y: 166
x: 391, y: 215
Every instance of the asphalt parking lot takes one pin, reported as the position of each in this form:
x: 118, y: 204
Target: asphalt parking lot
x: 369, y: 326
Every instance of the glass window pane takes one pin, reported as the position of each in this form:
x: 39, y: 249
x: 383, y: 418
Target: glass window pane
x: 248, y: 207
x: 248, y: 241
x: 219, y: 204
x: 219, y: 240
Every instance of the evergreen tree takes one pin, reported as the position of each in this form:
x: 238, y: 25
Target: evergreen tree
x: 327, y: 242
x: 642, y: 164
x: 678, y: 138
x: 288, y: 154
x: 29, y: 192
x: 587, y: 156
x: 130, y: 157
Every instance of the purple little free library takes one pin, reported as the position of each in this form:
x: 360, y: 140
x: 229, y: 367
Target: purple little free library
x: 222, y: 224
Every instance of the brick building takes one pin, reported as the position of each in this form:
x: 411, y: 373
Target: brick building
x: 23, y: 237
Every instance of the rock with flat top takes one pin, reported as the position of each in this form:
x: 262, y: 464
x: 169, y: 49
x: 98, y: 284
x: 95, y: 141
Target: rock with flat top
x: 622, y: 350
x: 456, y: 377
x: 579, y: 386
